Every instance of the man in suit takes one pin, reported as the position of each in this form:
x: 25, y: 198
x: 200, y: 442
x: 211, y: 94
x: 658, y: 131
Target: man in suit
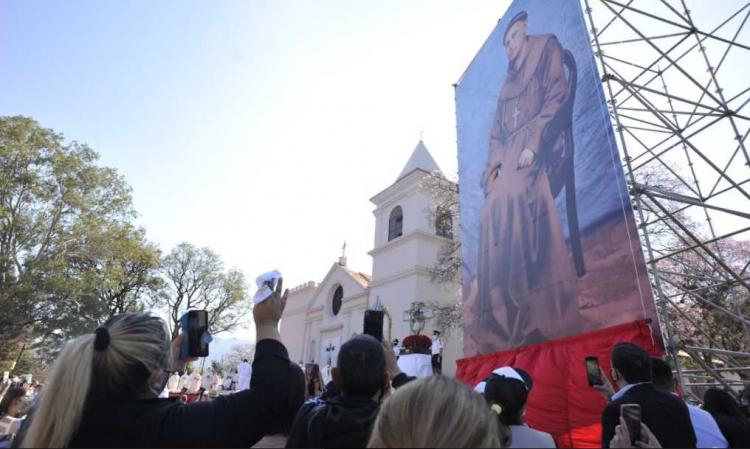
x: 665, y: 414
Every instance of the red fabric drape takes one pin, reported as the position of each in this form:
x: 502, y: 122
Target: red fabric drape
x: 561, y: 402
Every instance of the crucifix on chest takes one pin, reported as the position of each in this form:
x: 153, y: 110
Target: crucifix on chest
x: 516, y: 112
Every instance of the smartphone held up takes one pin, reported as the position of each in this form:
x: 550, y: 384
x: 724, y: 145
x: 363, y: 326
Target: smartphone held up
x: 593, y: 371
x: 194, y: 325
x: 373, y: 324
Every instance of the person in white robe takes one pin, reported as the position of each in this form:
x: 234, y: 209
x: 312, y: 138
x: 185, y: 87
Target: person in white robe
x: 184, y: 382
x: 228, y: 382
x: 245, y: 374
x: 326, y: 373
x: 174, y: 382
x: 194, y: 385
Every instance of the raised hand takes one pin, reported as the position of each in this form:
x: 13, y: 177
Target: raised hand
x: 526, y: 159
x: 268, y: 314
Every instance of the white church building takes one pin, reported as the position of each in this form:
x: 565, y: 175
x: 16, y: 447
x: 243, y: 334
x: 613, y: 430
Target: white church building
x: 320, y: 317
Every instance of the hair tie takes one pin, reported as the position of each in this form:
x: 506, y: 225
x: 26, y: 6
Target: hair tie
x: 102, y: 339
x: 497, y: 408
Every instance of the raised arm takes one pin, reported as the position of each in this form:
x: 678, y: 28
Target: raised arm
x: 242, y: 419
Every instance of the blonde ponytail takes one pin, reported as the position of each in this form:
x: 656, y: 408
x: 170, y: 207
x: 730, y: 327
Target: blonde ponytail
x: 138, y: 346
x: 58, y: 414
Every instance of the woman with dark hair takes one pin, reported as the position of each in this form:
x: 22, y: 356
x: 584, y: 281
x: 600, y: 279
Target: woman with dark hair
x: 733, y: 423
x: 315, y: 385
x: 507, y: 391
x: 11, y: 414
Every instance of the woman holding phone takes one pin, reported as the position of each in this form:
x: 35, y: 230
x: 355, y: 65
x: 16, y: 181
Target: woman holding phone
x: 103, y: 390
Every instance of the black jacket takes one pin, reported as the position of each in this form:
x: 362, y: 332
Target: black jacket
x: 237, y: 420
x: 664, y: 413
x: 734, y: 430
x: 338, y: 423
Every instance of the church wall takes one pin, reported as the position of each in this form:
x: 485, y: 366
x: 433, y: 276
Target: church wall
x: 293, y: 321
x: 320, y: 328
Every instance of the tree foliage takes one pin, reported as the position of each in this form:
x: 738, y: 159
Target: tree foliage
x: 69, y: 256
x: 231, y: 360
x: 446, y: 215
x: 195, y: 279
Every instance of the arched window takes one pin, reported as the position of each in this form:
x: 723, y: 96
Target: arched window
x: 444, y: 223
x: 396, y: 223
x: 338, y: 296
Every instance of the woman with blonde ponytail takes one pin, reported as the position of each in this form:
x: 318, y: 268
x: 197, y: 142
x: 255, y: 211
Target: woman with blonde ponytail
x: 103, y: 390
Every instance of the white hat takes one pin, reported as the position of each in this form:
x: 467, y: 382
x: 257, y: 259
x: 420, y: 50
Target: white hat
x: 509, y: 373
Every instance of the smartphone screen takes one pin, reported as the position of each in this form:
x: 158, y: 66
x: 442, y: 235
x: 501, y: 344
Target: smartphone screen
x: 632, y: 415
x: 374, y: 323
x: 593, y: 372
x: 197, y: 328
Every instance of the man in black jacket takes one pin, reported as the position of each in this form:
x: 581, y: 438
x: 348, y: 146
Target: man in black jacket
x: 665, y: 414
x: 346, y: 420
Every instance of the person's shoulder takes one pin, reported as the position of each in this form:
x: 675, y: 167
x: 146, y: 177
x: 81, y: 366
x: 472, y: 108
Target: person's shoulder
x: 544, y: 40
x: 312, y: 406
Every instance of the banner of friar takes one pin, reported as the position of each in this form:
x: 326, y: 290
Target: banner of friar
x: 550, y: 246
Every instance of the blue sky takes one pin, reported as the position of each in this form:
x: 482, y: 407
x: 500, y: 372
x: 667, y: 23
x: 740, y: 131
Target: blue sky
x: 259, y: 128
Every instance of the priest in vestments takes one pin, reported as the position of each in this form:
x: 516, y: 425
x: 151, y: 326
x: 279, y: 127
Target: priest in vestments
x: 527, y: 285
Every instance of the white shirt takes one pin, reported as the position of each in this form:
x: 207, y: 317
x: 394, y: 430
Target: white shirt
x: 174, y: 382
x: 245, y: 374
x: 706, y: 430
x: 9, y: 425
x: 208, y: 380
x: 326, y: 373
x: 194, y: 385
x: 437, y: 346
x: 184, y: 382
x: 397, y: 350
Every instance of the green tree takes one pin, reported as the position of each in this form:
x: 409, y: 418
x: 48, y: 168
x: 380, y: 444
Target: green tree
x: 194, y: 278
x: 68, y: 256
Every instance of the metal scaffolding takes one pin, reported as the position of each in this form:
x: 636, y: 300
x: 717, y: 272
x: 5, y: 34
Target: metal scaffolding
x: 677, y: 83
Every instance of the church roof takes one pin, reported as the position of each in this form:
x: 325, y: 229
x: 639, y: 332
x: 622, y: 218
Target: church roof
x: 420, y: 159
x: 361, y: 278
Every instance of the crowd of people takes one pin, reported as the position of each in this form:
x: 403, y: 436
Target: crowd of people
x: 104, y: 389
x: 17, y: 395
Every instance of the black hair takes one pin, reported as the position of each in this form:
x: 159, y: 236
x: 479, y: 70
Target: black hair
x: 661, y: 374
x: 361, y: 366
x: 510, y: 394
x: 632, y: 361
x: 11, y: 395
x: 720, y: 403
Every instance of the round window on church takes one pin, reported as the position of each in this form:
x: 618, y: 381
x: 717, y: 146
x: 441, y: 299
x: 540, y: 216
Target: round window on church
x: 338, y: 296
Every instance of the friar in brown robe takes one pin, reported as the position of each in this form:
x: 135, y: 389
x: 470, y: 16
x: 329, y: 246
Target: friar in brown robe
x: 527, y: 286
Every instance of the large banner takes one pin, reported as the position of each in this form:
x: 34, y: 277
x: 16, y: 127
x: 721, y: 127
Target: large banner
x: 549, y: 242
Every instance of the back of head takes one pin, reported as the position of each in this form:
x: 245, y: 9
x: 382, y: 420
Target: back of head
x: 633, y: 362
x: 510, y: 394
x: 114, y: 364
x: 361, y: 367
x: 435, y: 412
x: 720, y: 403
x: 661, y: 374
x: 12, y: 395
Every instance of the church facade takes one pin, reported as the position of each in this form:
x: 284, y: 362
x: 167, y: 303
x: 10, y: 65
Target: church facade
x: 321, y: 316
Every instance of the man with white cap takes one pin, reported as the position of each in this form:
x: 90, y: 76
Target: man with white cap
x: 506, y: 391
